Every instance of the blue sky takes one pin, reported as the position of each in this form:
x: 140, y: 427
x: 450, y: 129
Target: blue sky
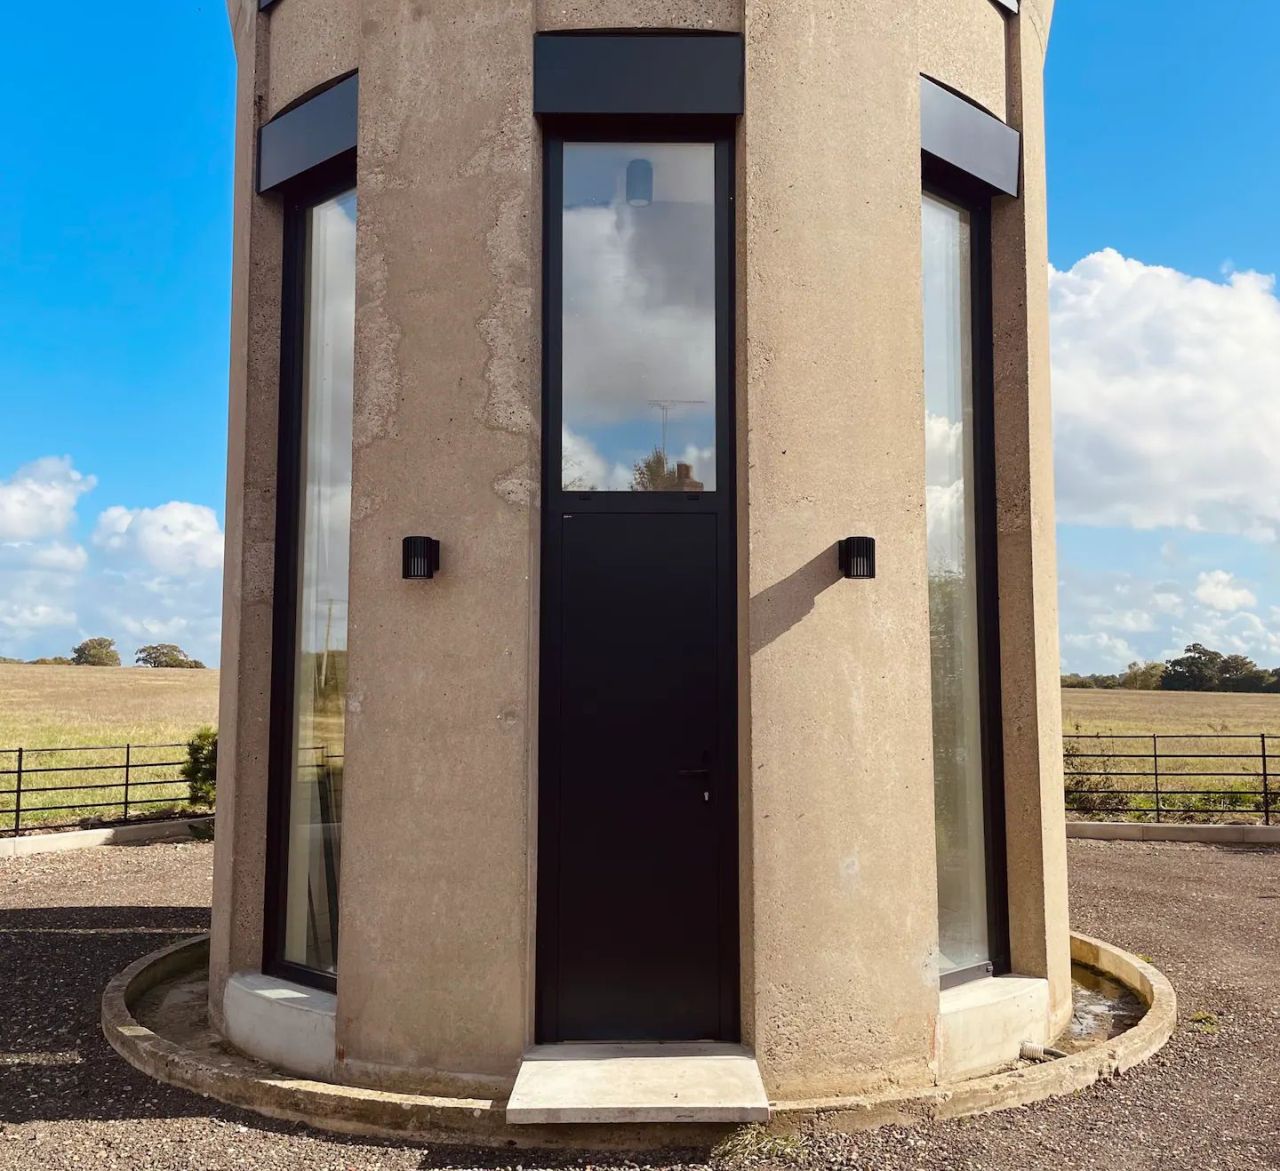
x: 1164, y: 160
x: 1163, y: 128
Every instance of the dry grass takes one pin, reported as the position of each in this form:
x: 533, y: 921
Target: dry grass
x: 1217, y: 779
x: 1169, y: 712
x: 43, y: 708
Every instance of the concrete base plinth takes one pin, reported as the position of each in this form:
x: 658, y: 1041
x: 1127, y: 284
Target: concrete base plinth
x: 281, y: 1023
x: 982, y: 1025
x: 183, y: 1057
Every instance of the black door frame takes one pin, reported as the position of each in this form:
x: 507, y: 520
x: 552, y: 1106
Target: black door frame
x: 556, y: 502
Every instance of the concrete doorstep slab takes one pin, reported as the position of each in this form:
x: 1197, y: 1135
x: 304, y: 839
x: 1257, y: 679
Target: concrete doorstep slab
x: 638, y: 1083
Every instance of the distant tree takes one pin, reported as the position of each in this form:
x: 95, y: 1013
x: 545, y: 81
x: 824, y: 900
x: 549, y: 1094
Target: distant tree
x: 1199, y: 669
x: 164, y: 654
x: 655, y: 474
x: 54, y: 661
x: 96, y: 652
x: 6, y: 661
x: 1075, y: 680
x: 1240, y: 673
x: 1141, y: 676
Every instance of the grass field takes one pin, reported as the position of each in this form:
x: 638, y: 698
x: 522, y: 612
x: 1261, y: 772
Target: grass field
x: 1172, y: 712
x: 1220, y: 778
x: 44, y: 708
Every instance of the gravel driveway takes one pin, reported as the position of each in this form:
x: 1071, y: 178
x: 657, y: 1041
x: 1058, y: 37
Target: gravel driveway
x: 1208, y: 916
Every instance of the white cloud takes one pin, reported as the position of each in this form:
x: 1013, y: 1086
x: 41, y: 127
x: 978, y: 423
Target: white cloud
x: 60, y: 557
x: 147, y: 628
x: 1129, y: 621
x: 147, y: 573
x: 1166, y: 398
x: 667, y: 348
x: 39, y: 499
x: 1112, y: 650
x: 585, y: 468
x: 177, y: 538
x: 18, y: 616
x: 1217, y: 590
x: 1167, y: 602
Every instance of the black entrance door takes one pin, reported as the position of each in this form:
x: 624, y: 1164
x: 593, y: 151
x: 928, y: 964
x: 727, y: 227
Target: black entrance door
x: 637, y: 894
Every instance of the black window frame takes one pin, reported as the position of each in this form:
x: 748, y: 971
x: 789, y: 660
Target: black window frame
x: 948, y: 182
x: 299, y: 196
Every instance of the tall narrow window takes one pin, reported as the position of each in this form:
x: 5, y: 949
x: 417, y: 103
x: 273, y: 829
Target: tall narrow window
x: 960, y: 585
x: 311, y: 635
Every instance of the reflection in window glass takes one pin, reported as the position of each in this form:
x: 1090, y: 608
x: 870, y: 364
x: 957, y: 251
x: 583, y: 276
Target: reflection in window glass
x: 953, y: 586
x: 324, y: 532
x: 639, y: 351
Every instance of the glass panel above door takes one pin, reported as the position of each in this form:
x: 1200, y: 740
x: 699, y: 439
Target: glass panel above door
x: 638, y: 379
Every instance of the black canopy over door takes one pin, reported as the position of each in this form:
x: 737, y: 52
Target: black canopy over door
x: 637, y: 891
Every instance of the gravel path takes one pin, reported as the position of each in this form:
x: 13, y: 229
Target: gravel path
x: 1208, y: 916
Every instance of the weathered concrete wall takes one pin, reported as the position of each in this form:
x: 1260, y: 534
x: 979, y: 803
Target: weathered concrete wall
x: 434, y: 897
x: 244, y: 702
x: 838, y: 896
x: 707, y: 15
x: 312, y: 42
x: 962, y: 45
x: 1027, y: 554
x: 841, y: 773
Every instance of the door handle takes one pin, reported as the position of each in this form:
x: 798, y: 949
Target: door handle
x: 704, y: 774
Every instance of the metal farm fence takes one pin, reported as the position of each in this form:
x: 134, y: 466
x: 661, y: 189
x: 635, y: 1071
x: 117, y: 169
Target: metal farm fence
x: 1109, y: 776
x: 120, y: 779
x: 1161, y: 777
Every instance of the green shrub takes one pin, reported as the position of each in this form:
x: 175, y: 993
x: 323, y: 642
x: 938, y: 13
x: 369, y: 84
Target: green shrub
x: 200, y: 770
x: 1091, y: 790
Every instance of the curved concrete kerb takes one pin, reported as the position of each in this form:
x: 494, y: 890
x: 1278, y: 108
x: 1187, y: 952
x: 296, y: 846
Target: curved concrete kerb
x: 239, y: 1081
x: 106, y: 835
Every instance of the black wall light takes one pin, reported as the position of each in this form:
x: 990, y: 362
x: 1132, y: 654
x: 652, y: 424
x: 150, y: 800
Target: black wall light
x: 420, y: 557
x: 857, y: 556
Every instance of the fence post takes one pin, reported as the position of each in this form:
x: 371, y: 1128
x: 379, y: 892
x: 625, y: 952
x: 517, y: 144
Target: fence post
x: 1155, y: 770
x: 1266, y: 787
x: 128, y: 753
x: 17, y: 799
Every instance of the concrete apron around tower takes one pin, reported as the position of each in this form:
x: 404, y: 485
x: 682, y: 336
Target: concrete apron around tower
x: 228, y: 1077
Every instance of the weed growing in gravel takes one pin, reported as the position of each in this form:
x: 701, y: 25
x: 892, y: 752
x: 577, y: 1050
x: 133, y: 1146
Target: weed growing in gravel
x: 754, y: 1144
x: 1204, y: 1022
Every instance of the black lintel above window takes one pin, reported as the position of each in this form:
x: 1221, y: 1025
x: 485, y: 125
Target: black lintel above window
x: 649, y: 73
x: 318, y: 129
x: 968, y: 138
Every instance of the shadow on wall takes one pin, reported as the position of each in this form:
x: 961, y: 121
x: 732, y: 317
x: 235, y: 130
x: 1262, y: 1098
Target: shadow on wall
x: 776, y: 610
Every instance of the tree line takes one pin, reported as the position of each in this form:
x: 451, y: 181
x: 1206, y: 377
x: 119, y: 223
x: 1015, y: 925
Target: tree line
x: 101, y: 652
x: 1197, y: 669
